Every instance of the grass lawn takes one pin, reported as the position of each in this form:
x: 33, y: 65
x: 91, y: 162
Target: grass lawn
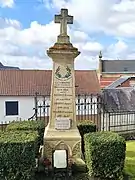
x: 130, y: 159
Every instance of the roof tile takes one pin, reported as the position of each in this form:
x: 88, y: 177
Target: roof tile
x: 28, y: 82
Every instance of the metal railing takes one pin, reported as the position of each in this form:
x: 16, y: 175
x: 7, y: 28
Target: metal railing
x: 88, y: 107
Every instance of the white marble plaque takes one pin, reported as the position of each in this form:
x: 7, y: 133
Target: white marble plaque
x: 62, y: 123
x: 60, y: 159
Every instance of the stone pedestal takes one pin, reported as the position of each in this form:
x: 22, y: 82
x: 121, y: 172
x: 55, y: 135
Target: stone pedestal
x: 62, y: 132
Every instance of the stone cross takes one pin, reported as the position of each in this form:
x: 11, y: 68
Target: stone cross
x: 63, y: 19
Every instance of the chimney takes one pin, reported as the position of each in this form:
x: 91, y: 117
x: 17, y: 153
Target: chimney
x: 99, y: 71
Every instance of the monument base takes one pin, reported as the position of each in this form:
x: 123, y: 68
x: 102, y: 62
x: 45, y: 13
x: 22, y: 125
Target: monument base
x: 69, y: 140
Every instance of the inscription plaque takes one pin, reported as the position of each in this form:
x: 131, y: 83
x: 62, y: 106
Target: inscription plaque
x: 62, y: 123
x: 60, y: 159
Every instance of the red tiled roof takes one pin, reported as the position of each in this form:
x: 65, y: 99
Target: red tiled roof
x: 106, y: 81
x: 28, y: 82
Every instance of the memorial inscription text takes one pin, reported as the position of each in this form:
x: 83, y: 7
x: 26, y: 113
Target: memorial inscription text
x: 63, y: 98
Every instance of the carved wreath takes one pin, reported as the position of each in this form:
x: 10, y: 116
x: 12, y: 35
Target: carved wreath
x: 59, y: 75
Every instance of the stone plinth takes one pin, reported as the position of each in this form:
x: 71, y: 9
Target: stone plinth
x: 62, y: 132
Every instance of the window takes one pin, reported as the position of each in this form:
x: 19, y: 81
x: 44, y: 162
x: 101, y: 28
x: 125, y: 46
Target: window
x: 11, y: 108
x: 125, y: 69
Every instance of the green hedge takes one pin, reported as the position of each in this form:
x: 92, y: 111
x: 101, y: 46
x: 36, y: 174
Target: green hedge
x: 29, y: 125
x: 85, y: 127
x: 105, y: 154
x: 17, y: 155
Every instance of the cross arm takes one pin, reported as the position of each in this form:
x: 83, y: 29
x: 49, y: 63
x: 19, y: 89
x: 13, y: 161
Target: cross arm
x: 57, y: 18
x: 69, y: 19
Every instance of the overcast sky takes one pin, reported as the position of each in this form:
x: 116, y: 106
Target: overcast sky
x: 27, y: 30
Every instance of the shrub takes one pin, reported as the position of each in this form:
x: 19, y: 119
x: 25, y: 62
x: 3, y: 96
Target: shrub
x: 85, y: 127
x: 17, y: 155
x: 105, y: 154
x: 81, y: 176
x: 29, y: 125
